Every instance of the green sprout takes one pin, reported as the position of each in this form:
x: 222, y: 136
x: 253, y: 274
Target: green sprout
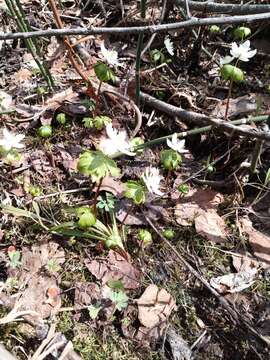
x: 34, y: 190
x: 94, y: 311
x: 107, y: 204
x: 45, y: 131
x: 86, y: 217
x: 157, y: 56
x: 61, y: 118
x: 145, y: 237
x: 97, y: 122
x: 168, y: 234
x: 170, y: 159
x: 183, y: 189
x: 11, y: 157
x: 137, y: 141
x: 119, y: 298
x: 214, y: 29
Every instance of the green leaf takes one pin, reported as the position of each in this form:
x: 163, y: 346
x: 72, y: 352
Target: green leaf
x: 101, y: 121
x: 14, y: 258
x: 170, y: 159
x: 94, y: 311
x: 120, y: 299
x: 116, y: 284
x: 136, y: 191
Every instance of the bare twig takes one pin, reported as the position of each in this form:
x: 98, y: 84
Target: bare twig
x: 211, y: 7
x: 194, y: 22
x: 201, y: 118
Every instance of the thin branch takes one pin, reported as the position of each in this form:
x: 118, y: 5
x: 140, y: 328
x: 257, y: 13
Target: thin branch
x: 211, y: 7
x: 201, y: 118
x: 194, y: 22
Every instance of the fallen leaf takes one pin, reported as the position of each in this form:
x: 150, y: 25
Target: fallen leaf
x: 232, y: 283
x: 86, y: 294
x: 196, y: 203
x: 155, y: 306
x: 115, y: 267
x: 212, y: 226
x: 239, y: 106
x: 112, y: 185
x: 243, y: 262
x: 259, y: 242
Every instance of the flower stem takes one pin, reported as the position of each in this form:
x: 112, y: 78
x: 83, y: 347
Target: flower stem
x: 127, y: 213
x: 96, y: 196
x: 228, y: 99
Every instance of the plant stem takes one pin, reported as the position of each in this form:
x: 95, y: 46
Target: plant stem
x: 127, y: 213
x: 228, y: 99
x: 256, y: 155
x: 138, y: 56
x: 96, y: 196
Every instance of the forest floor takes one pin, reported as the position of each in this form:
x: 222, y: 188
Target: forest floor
x: 198, y: 285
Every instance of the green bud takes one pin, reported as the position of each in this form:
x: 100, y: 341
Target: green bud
x: 241, y: 32
x: 168, y: 234
x: 136, y: 142
x: 230, y: 72
x: 45, y: 131
x: 61, y: 118
x: 214, y: 29
x: 11, y: 157
x: 86, y: 217
x: 84, y: 163
x: 170, y: 159
x: 34, y: 190
x: 145, y: 237
x: 183, y: 188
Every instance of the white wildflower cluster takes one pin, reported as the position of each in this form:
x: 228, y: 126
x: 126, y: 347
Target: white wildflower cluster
x: 152, y: 178
x: 110, y: 56
x: 177, y: 145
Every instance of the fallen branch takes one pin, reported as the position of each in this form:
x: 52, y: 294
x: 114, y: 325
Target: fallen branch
x: 193, y: 22
x: 201, y: 118
x: 211, y: 7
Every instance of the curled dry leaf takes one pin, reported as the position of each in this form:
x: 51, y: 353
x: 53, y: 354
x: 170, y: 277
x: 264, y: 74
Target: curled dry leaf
x: 115, y: 267
x: 212, y: 226
x: 112, y: 185
x: 259, y: 242
x: 232, y: 283
x: 155, y: 306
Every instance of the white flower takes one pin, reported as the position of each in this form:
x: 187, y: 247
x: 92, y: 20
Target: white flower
x: 10, y: 140
x: 226, y: 60
x: 242, y: 52
x: 152, y: 178
x: 169, y: 45
x: 177, y: 145
x: 116, y: 142
x: 111, y: 56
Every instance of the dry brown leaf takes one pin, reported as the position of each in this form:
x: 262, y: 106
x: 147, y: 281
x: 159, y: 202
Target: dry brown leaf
x: 245, y: 261
x: 112, y: 185
x: 259, y: 242
x: 115, y: 267
x: 85, y: 294
x: 212, y: 226
x: 196, y: 203
x: 239, y: 106
x: 155, y: 306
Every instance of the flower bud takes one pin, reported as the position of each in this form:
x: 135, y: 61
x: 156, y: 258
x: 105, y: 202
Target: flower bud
x: 241, y: 32
x: 145, y: 237
x: 230, y: 72
x: 170, y: 159
x: 61, y: 118
x: 169, y: 234
x: 45, y: 131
